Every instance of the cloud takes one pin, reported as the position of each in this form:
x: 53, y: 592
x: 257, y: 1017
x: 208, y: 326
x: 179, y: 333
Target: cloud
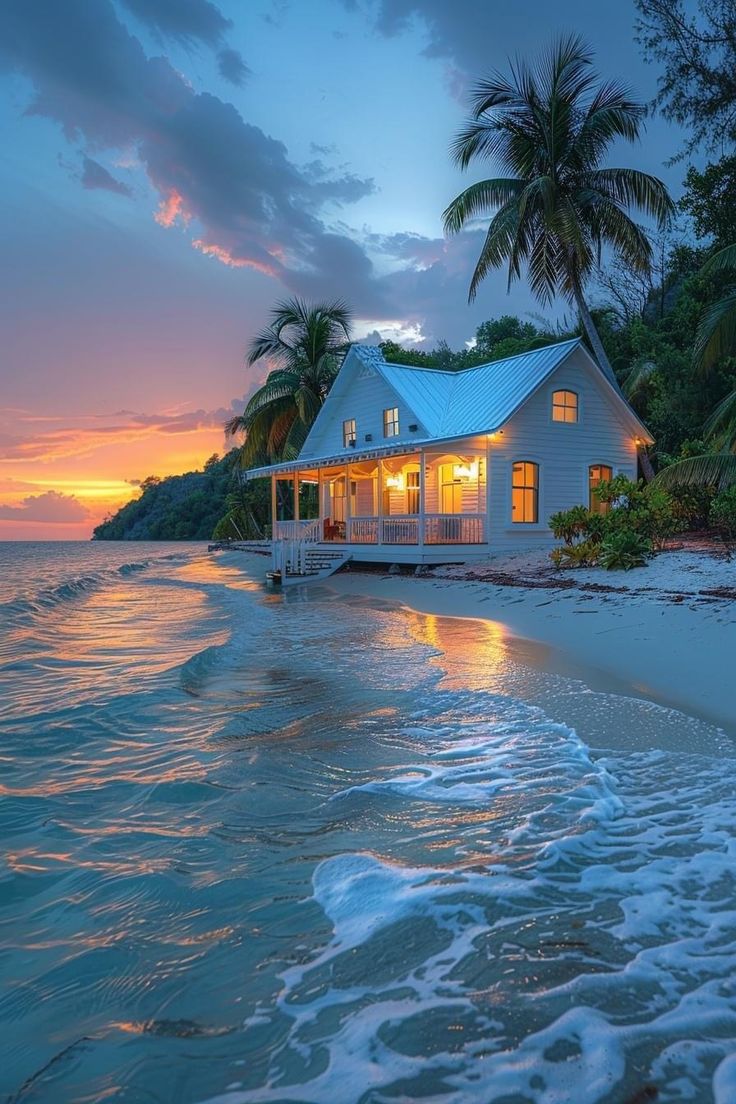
x: 52, y: 507
x: 254, y: 206
x: 232, y: 67
x: 186, y: 20
x: 95, y: 175
x: 81, y: 437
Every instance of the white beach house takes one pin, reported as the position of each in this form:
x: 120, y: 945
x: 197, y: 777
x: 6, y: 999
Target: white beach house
x: 413, y: 465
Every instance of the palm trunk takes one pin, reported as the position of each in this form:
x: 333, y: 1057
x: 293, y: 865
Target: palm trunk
x: 604, y: 362
x: 646, y: 464
x: 594, y: 337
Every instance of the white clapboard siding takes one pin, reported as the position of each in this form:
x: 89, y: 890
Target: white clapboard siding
x: 362, y: 394
x: 564, y: 452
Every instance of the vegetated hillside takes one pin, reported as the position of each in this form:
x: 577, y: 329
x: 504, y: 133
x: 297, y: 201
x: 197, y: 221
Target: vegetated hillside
x: 180, y: 507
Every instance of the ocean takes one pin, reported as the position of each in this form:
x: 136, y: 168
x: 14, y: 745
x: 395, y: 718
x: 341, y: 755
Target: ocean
x: 303, y: 848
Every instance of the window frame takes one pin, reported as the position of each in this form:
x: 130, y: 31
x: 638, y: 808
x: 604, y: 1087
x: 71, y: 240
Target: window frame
x: 390, y: 424
x: 564, y: 406
x: 349, y: 435
x: 526, y: 488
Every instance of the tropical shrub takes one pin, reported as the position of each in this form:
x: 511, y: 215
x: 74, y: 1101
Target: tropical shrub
x: 582, y: 554
x: 624, y: 549
x: 691, y: 506
x: 639, y: 518
x: 568, y: 525
x: 723, y: 513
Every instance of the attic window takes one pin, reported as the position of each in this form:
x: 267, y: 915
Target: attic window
x: 564, y: 406
x: 348, y: 433
x: 391, y: 422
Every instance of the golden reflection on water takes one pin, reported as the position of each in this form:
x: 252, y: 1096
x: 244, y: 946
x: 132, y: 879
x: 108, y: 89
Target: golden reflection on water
x: 472, y: 651
x: 212, y: 572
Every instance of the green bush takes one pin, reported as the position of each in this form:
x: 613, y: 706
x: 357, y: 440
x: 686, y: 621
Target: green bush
x: 691, y: 506
x: 624, y: 549
x: 723, y: 513
x: 567, y: 525
x: 637, y: 520
x: 582, y: 554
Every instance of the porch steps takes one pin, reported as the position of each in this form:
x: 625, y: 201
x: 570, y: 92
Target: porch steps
x: 316, y: 563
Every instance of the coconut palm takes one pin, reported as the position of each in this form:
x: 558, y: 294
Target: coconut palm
x: 548, y: 127
x: 715, y: 339
x: 305, y: 344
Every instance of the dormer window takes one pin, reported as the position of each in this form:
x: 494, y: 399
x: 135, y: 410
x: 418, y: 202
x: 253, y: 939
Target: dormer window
x: 391, y: 422
x: 348, y: 433
x: 564, y: 406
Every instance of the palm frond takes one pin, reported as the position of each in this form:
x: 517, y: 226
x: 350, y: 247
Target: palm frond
x: 478, y: 199
x: 715, y: 469
x: 721, y: 425
x: 497, y: 247
x: 716, y: 334
x: 724, y: 258
x: 638, y: 377
x: 632, y: 188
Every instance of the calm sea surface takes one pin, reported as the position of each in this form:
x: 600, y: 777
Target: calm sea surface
x: 300, y: 848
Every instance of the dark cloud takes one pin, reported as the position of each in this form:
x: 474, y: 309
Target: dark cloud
x: 232, y: 67
x: 52, y: 507
x: 192, y: 22
x: 186, y: 20
x: 253, y: 206
x: 95, y: 175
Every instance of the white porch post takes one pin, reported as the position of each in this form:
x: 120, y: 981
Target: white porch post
x: 296, y: 498
x: 422, y: 506
x: 320, y: 505
x: 348, y: 504
x: 273, y: 508
x: 379, y: 501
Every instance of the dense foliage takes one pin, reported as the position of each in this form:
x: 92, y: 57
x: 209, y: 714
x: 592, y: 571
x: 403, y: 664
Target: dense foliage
x: 637, y: 522
x: 189, y: 506
x: 695, y: 49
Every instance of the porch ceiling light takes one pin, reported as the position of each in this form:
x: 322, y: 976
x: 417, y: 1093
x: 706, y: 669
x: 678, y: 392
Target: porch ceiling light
x: 465, y: 471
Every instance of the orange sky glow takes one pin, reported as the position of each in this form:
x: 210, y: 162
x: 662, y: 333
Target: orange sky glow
x: 60, y: 477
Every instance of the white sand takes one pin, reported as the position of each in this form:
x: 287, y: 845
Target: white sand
x: 657, y: 632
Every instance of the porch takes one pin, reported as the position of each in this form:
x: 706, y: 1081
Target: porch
x: 417, y: 503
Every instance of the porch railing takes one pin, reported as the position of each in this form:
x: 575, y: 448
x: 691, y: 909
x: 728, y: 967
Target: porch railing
x: 455, y: 529
x: 308, y: 530
x: 362, y: 530
x: 398, y: 529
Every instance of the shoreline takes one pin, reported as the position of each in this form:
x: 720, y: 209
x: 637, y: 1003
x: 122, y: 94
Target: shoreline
x: 678, y: 652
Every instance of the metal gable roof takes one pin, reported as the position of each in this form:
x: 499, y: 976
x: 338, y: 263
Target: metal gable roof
x: 475, y: 400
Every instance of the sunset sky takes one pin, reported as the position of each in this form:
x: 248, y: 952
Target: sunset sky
x: 171, y: 167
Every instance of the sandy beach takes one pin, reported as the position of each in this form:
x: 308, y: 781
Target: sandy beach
x: 666, y: 631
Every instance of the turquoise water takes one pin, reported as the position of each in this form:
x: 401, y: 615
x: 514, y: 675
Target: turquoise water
x: 302, y: 848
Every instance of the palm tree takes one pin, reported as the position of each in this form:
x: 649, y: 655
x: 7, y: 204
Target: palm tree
x: 715, y: 339
x: 716, y: 335
x: 305, y: 344
x: 548, y: 126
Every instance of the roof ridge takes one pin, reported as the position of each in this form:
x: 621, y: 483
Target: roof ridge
x: 472, y: 367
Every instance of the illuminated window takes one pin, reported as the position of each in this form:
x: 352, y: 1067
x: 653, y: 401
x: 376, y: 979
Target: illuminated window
x: 564, y: 406
x: 348, y: 433
x: 597, y: 474
x: 525, y: 492
x: 391, y: 422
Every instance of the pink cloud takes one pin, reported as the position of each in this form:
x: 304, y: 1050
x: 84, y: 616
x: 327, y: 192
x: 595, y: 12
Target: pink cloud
x: 52, y: 508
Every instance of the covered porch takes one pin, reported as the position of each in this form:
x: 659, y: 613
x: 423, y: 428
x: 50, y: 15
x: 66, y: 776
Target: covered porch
x: 425, y: 499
